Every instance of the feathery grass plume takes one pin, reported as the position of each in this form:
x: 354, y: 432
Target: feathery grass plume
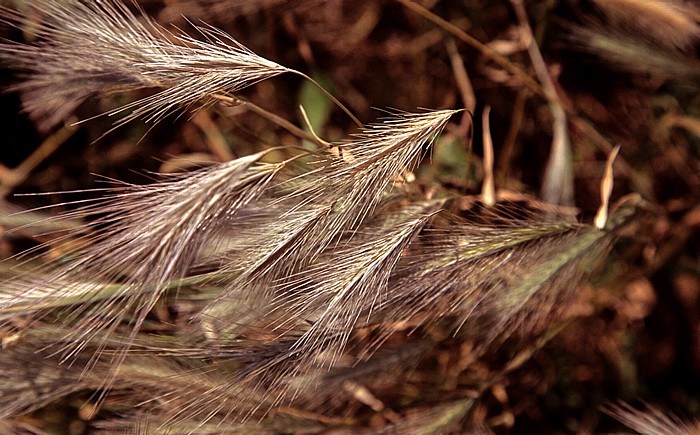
x: 333, y: 305
x: 667, y: 23
x: 300, y: 271
x: 160, y: 378
x: 316, y: 310
x: 28, y: 382
x: 512, y: 276
x: 150, y: 237
x: 335, y: 196
x: 88, y: 48
x: 651, y: 420
x: 624, y: 50
x: 269, y: 426
x: 149, y: 380
x: 381, y: 153
x: 304, y: 332
x: 641, y: 37
x: 157, y: 379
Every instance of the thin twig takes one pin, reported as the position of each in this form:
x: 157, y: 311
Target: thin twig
x: 47, y: 147
x: 461, y: 76
x: 276, y: 119
x: 475, y: 43
x: 215, y: 139
x: 508, y: 146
